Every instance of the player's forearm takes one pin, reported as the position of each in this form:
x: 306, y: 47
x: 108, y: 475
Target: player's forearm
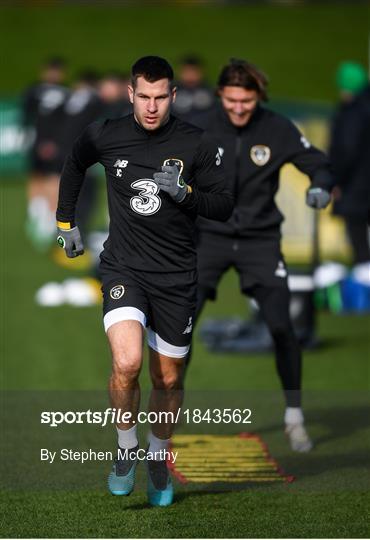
x: 316, y: 165
x: 218, y: 206
x: 71, y: 182
x: 323, y: 178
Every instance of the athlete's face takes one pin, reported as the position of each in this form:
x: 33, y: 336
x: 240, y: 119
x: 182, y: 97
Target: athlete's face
x: 239, y: 104
x: 152, y: 102
x: 53, y: 75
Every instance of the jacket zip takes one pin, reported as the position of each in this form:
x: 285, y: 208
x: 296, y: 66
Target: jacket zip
x: 238, y: 147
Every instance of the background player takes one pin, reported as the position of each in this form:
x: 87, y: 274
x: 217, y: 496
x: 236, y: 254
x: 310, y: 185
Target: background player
x: 349, y: 155
x: 148, y: 266
x: 195, y: 98
x: 42, y: 114
x: 82, y: 107
x: 255, y: 143
x: 113, y: 90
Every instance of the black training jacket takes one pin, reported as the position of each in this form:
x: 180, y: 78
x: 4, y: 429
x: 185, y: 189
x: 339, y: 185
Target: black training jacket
x: 350, y: 156
x: 82, y: 107
x: 43, y: 110
x: 148, y: 231
x: 252, y: 157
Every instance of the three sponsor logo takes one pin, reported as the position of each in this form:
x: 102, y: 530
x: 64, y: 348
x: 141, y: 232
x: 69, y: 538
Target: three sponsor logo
x: 147, y: 201
x: 189, y: 326
x: 219, y: 155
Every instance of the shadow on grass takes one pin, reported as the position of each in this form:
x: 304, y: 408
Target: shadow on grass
x: 179, y: 497
x: 342, y: 448
x: 338, y: 421
x: 202, y: 490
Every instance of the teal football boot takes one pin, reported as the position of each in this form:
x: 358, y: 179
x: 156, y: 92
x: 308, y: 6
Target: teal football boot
x: 121, y: 480
x: 160, y: 488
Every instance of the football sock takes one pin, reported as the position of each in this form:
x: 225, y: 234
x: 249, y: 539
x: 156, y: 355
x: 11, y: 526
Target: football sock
x: 37, y: 206
x: 127, y: 438
x: 158, y: 473
x: 123, y: 463
x: 156, y: 445
x: 293, y: 415
x: 39, y: 212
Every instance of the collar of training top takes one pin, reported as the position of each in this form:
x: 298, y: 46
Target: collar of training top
x: 162, y: 130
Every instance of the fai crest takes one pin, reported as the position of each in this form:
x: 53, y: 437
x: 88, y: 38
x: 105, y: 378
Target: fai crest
x: 260, y: 154
x: 117, y: 292
x: 174, y: 161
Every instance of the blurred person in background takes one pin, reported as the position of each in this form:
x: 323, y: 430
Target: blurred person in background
x: 82, y: 107
x: 350, y: 156
x: 194, y: 97
x: 113, y: 91
x: 254, y: 143
x: 42, y: 113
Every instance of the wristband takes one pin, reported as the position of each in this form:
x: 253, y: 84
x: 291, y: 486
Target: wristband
x: 65, y: 225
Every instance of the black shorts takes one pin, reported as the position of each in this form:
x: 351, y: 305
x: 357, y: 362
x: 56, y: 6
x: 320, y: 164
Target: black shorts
x: 38, y: 165
x: 163, y: 302
x: 259, y: 262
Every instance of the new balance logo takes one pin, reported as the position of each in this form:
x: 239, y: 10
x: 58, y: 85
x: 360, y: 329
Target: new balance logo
x: 122, y: 163
x: 281, y: 270
x: 189, y: 326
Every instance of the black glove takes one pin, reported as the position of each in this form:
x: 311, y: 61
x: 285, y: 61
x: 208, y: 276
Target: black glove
x: 170, y: 181
x: 70, y: 240
x: 317, y: 198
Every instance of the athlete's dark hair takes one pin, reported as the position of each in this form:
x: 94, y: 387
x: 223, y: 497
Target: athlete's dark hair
x: 55, y: 62
x: 88, y: 76
x: 191, y: 60
x: 152, y: 68
x: 116, y: 75
x: 242, y: 73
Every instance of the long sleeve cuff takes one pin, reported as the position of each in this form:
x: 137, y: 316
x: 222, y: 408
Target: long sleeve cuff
x: 322, y: 178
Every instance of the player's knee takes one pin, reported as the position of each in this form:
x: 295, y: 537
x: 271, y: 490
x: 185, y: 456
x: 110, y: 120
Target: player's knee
x: 167, y: 381
x: 126, y: 367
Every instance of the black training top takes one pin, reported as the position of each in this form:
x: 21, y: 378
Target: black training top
x: 148, y: 231
x: 252, y: 156
x: 350, y: 156
x: 43, y: 109
x: 82, y: 107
